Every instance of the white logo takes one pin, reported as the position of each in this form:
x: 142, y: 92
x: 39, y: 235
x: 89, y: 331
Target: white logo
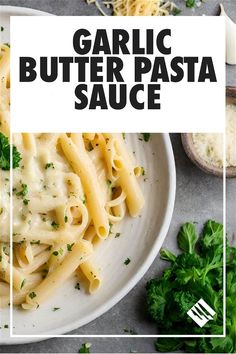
x: 201, y: 313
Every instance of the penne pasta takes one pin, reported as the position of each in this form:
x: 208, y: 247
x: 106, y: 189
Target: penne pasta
x: 80, y: 252
x: 92, y: 275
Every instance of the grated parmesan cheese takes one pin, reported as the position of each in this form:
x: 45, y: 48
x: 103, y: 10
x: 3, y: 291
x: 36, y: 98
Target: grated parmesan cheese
x: 210, y: 146
x: 137, y: 7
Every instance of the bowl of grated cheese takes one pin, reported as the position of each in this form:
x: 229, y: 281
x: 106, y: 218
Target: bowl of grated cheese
x: 206, y: 150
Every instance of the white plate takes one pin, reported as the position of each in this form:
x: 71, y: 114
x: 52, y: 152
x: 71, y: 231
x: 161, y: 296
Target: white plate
x: 140, y: 240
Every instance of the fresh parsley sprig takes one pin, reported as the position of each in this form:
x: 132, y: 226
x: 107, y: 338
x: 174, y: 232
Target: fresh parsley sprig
x: 5, y: 153
x: 194, y: 274
x: 85, y: 348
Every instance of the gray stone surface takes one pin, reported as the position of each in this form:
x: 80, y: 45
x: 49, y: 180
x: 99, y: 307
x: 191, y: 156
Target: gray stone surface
x: 198, y: 198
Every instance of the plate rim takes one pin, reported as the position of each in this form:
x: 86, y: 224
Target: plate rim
x: 24, y: 11
x: 14, y: 10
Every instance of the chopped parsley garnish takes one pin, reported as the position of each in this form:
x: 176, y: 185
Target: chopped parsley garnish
x: 23, y: 191
x: 110, y: 228
x: 77, y: 286
x: 130, y: 331
x: 117, y: 235
x: 127, y: 261
x: 85, y: 348
x: 123, y: 136
x: 6, y: 326
x: 66, y: 218
x: 32, y: 295
x: 176, y: 11
x: 5, y: 153
x: 26, y: 201
x: 49, y: 165
x: 35, y: 242
x: 83, y: 200
x: 22, y: 283
x: 193, y: 3
x: 56, y: 253
x: 69, y: 247
x: 2, y: 28
x: 142, y: 171
x: 146, y: 136
x: 55, y: 225
x: 55, y: 309
x: 190, y: 3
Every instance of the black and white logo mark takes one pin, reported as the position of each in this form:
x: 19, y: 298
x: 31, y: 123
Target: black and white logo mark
x: 201, y: 313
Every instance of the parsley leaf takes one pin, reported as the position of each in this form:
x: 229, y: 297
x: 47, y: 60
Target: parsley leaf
x: 190, y: 3
x: 49, y: 165
x: 32, y: 295
x: 77, y: 286
x: 26, y: 201
x: 24, y: 191
x: 5, y: 154
x: 69, y: 247
x: 22, y: 283
x: 167, y: 255
x: 55, y: 225
x: 187, y: 237
x: 176, y: 11
x: 85, y: 348
x: 55, y: 309
x: 127, y: 261
x: 146, y: 136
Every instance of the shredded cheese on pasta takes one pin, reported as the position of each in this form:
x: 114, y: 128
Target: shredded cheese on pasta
x: 136, y: 7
